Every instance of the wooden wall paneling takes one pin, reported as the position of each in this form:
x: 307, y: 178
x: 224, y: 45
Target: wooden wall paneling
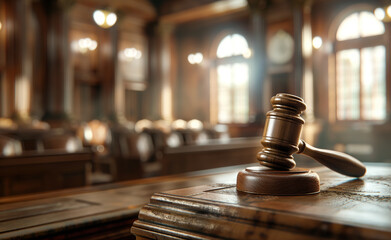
x: 186, y: 98
x: 38, y: 48
x: 151, y: 96
x: 107, y: 66
x: 2, y: 34
x: 132, y: 105
x: 85, y: 72
x: 132, y: 69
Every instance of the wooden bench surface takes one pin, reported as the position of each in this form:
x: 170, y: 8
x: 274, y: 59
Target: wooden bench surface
x: 346, y: 208
x: 104, y: 212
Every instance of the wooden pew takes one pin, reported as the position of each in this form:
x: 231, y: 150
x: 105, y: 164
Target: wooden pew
x: 45, y: 171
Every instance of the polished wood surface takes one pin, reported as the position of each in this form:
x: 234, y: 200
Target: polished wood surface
x: 336, y: 161
x: 345, y: 208
x: 94, y: 212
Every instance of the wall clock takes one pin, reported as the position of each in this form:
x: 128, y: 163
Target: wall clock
x: 280, y: 47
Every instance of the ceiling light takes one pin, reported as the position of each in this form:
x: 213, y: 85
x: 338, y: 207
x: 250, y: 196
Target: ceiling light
x: 104, y: 18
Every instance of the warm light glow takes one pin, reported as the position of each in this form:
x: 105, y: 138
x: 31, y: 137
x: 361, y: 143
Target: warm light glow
x: 84, y: 45
x: 195, y: 124
x: 130, y: 54
x: 247, y: 53
x: 389, y: 11
x: 22, y: 95
x: 195, y: 58
x: 1, y: 25
x: 179, y: 124
x: 379, y: 13
x: 111, y: 19
x: 317, y: 42
x: 104, y: 19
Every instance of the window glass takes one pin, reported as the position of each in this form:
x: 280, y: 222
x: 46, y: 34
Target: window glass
x: 348, y: 28
x: 348, y: 84
x: 232, y: 45
x: 233, y: 81
x: 363, y: 24
x: 373, y: 82
x: 361, y: 72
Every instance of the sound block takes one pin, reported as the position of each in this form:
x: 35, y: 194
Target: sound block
x: 263, y: 180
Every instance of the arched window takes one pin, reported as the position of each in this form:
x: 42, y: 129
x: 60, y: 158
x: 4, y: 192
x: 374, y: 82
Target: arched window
x: 232, y: 80
x: 360, y: 68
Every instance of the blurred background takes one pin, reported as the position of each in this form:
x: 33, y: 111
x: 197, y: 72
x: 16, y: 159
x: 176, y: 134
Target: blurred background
x: 96, y: 91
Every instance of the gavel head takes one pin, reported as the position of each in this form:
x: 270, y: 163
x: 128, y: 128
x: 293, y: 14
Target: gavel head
x: 282, y: 132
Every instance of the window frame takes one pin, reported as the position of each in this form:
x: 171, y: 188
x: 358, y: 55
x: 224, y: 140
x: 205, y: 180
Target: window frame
x: 359, y: 44
x: 215, y: 62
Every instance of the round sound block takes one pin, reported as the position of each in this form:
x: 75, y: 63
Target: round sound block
x: 262, y: 180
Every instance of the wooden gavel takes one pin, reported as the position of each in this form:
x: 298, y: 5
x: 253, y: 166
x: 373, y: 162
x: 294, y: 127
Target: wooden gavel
x: 281, y: 138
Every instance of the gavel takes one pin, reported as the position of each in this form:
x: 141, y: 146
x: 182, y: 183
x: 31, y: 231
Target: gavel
x: 281, y: 138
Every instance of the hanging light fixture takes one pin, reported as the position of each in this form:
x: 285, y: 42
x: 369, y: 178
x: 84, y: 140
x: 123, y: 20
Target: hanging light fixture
x: 104, y: 18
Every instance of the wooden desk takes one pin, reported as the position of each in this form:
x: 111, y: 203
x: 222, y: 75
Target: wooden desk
x: 345, y: 208
x: 94, y: 212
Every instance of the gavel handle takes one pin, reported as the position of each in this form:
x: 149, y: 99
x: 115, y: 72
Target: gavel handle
x: 337, y: 161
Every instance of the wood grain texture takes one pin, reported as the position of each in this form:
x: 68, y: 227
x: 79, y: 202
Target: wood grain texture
x: 345, y: 208
x: 94, y: 212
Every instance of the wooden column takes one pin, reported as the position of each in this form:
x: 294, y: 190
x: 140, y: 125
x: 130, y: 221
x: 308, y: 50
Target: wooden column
x: 308, y: 81
x: 162, y: 73
x: 258, y: 64
x: 54, y: 26
x: 298, y: 54
x: 13, y: 54
x: 113, y: 91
